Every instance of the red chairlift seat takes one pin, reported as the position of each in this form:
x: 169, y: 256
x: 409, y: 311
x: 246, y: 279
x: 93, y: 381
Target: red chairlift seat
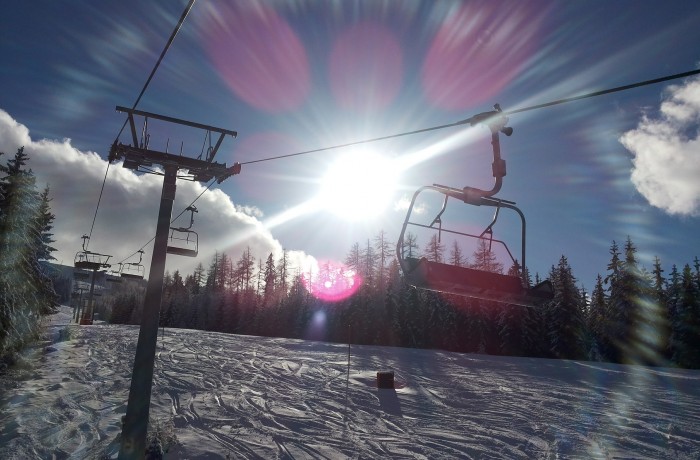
x: 464, y: 281
x: 478, y: 284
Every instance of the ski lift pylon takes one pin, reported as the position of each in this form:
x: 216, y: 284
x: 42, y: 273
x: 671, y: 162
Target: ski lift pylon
x: 184, y: 241
x: 465, y: 281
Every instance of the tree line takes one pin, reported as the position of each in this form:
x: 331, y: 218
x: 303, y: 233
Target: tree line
x: 26, y: 289
x: 632, y: 315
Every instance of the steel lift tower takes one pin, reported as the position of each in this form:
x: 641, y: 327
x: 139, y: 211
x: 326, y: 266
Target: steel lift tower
x: 139, y: 157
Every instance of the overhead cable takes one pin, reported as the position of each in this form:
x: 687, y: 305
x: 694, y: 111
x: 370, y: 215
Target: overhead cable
x: 138, y: 99
x: 471, y: 119
x: 173, y: 220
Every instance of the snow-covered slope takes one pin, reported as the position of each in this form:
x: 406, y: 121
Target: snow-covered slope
x: 251, y: 397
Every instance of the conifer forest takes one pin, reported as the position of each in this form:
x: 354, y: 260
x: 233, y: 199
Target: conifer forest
x: 634, y: 314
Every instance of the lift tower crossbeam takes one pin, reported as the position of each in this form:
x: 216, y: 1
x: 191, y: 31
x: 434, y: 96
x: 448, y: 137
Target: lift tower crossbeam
x: 134, y: 430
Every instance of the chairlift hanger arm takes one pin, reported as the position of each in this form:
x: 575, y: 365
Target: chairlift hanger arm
x: 496, y: 122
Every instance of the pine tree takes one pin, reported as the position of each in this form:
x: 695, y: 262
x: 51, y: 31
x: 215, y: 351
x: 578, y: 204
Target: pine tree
x: 613, y: 328
x: 456, y: 256
x: 409, y: 247
x: 368, y: 263
x: 596, y: 320
x: 283, y: 273
x: 26, y: 291
x: 270, y: 277
x: 661, y: 303
x: 45, y: 223
x: 382, y: 247
x: 434, y: 250
x: 211, y: 284
x: 484, y: 259
x: 634, y: 321
x: 565, y: 319
x: 686, y: 326
x: 353, y: 260
x: 195, y: 281
x: 510, y: 330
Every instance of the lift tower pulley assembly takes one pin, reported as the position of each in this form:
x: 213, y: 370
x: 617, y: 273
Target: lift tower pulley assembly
x: 139, y: 157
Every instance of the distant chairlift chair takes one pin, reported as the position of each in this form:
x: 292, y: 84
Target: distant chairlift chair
x: 132, y: 270
x: 184, y: 241
x: 469, y: 282
x: 88, y: 260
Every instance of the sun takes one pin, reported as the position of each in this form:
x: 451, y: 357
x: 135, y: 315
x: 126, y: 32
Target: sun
x: 359, y: 185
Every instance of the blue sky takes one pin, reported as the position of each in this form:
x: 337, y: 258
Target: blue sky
x: 292, y: 76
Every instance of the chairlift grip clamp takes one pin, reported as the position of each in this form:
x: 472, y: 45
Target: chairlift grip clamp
x: 473, y: 196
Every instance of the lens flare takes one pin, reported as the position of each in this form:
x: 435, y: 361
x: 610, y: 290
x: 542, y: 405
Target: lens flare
x: 478, y: 49
x: 366, y: 67
x: 258, y: 55
x: 333, y: 282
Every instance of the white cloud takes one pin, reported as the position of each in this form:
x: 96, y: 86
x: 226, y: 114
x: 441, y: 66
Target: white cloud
x: 666, y: 152
x: 129, y: 207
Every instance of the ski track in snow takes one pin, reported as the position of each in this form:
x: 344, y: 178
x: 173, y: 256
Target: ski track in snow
x: 253, y: 397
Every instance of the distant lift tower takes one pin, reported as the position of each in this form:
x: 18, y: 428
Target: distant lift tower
x: 139, y: 157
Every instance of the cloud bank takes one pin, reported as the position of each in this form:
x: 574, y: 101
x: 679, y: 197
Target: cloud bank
x: 127, y: 216
x: 666, y: 152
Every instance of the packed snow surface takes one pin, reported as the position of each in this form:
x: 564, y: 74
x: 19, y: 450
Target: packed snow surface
x: 231, y: 396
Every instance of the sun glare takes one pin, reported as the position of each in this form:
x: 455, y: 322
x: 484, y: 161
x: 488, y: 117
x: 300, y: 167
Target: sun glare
x: 359, y: 185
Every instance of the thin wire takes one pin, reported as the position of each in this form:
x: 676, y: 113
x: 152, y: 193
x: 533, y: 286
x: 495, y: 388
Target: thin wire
x: 94, y: 218
x: 689, y: 73
x: 471, y: 119
x: 162, y: 55
x: 173, y: 220
x: 138, y: 99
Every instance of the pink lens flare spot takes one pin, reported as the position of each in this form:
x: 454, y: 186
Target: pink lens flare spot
x: 366, y: 67
x: 332, y: 283
x: 258, y: 55
x: 479, y: 49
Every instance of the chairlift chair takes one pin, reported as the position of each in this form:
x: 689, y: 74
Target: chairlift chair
x: 90, y: 260
x: 184, y: 241
x: 464, y: 281
x: 132, y: 270
x: 113, y: 277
